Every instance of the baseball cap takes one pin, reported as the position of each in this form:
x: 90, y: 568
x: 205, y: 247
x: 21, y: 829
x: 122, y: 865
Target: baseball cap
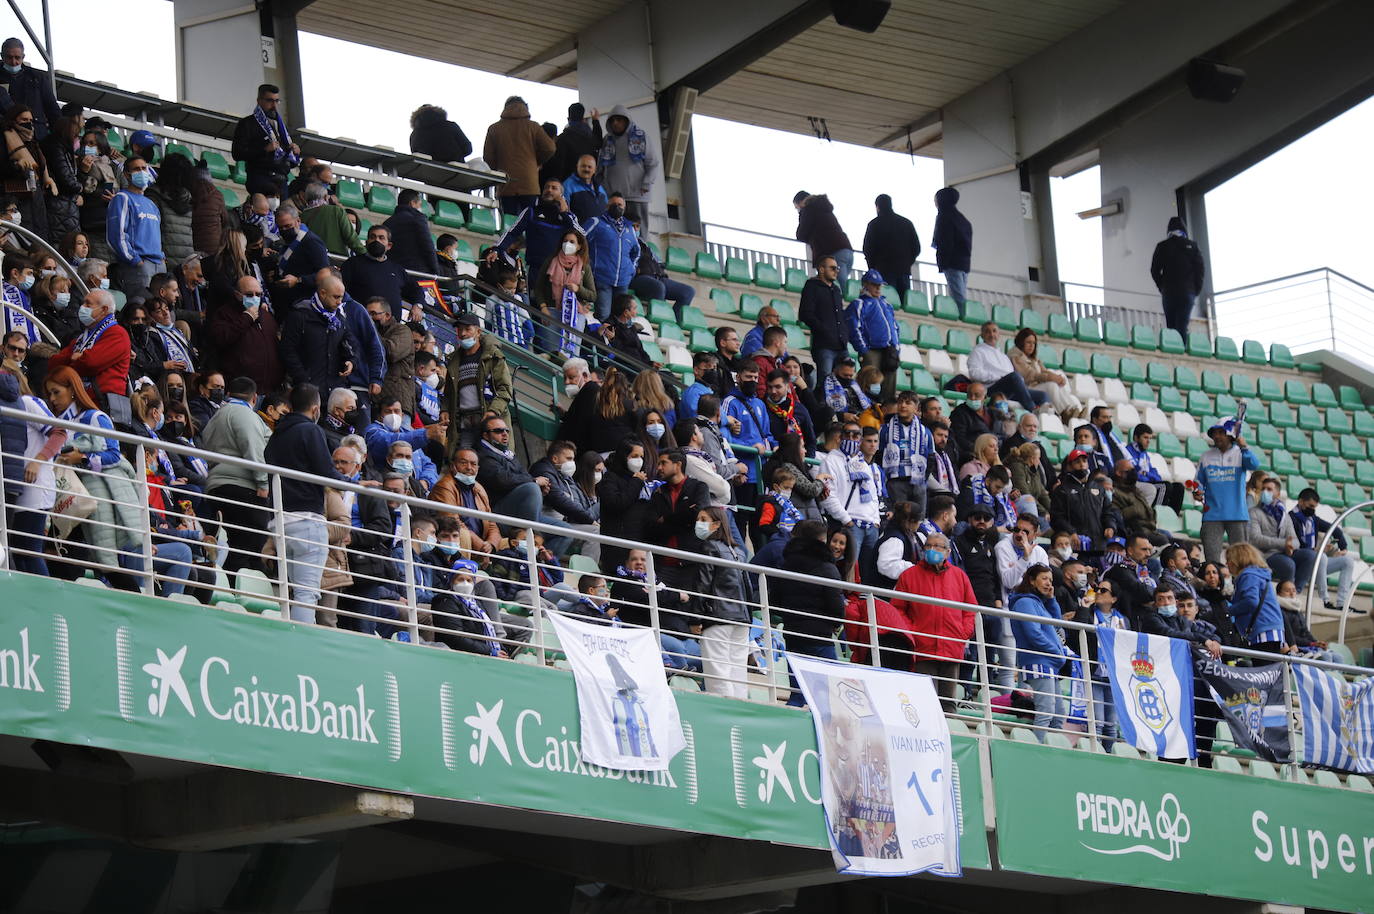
x: 874, y: 277
x: 143, y: 138
x: 980, y: 510
x: 467, y: 319
x: 1117, y: 541
x: 1075, y: 454
x: 1227, y: 425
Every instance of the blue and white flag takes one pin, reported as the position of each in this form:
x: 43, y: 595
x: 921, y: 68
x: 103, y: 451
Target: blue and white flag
x: 889, y: 787
x: 1253, y: 702
x: 627, y: 714
x: 1337, y: 719
x: 1152, y: 685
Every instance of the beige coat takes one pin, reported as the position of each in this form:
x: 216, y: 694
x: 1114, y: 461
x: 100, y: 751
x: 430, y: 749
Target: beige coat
x: 518, y: 146
x: 1031, y: 370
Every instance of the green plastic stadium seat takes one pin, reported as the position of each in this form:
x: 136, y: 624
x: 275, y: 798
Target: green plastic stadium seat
x: 653, y: 351
x: 946, y: 308
x: 1199, y: 345
x: 766, y: 276
x: 797, y: 340
x: 1295, y: 439
x: 1281, y: 357
x: 464, y: 251
x: 1075, y: 362
x: 1226, y: 350
x: 483, y: 221
x: 661, y: 312
x: 508, y: 221
x: 1352, y: 494
x: 1242, y: 385
x: 449, y: 215
x: 1364, y: 424
x: 890, y: 293
x: 1330, y: 493
x: 924, y: 383
x: 1252, y: 353
x: 1352, y: 448
x: 1186, y: 379
x: 116, y: 141
x: 1339, y: 470
x: 1309, y: 419
x: 239, y: 175
x: 381, y: 199
x: 351, y: 195
x: 1034, y: 320
x: 1268, y: 437
x: 1296, y: 482
x: 1005, y: 317
x: 736, y: 270
x: 694, y: 319
x: 1146, y: 339
x: 723, y: 303
x: 1168, y: 445
x: 958, y: 342
x: 929, y: 337
x: 179, y: 149
x: 1114, y: 333
x: 1324, y: 444
x: 1338, y: 422
x: 217, y: 165
x: 1324, y: 396
x: 1170, y: 342
x: 1226, y: 405
x: 1199, y: 404
x: 749, y: 304
x: 852, y: 290
x: 1051, y: 356
x: 1196, y: 447
x: 707, y: 266
x: 1087, y: 330
x: 1214, y: 382
x: 679, y: 261
x: 671, y: 332
x: 787, y: 312
x: 1159, y: 374
x: 1270, y: 389
x: 1171, y: 401
x: 1282, y: 416
x: 231, y: 197
x: 1060, y: 328
x: 795, y: 279
x: 1282, y: 462
x: 1296, y: 392
x: 1312, y: 466
x: 1130, y: 370
x: 1364, y: 475
x: 1104, y: 366
x: 975, y: 313
x: 1143, y: 393
x: 906, y: 334
x: 1350, y: 398
x: 916, y: 302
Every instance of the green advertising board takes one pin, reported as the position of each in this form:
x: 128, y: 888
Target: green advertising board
x: 1133, y: 822
x: 121, y: 671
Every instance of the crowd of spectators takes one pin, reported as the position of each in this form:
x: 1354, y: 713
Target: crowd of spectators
x: 239, y: 336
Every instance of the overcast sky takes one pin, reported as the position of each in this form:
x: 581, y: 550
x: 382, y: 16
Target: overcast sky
x: 1305, y: 207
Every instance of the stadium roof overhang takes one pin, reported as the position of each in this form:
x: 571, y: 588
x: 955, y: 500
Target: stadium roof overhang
x: 801, y: 72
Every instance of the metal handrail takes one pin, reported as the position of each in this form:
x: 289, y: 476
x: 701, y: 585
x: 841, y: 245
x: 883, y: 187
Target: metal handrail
x: 1321, y: 550
x: 42, y: 243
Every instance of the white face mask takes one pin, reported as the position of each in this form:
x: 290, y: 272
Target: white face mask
x: 568, y: 467
x: 392, y: 421
x: 597, y: 476
x: 432, y: 382
x: 635, y: 464
x: 702, y: 529
x: 463, y: 588
x: 1064, y: 552
x: 570, y: 248
x: 571, y: 389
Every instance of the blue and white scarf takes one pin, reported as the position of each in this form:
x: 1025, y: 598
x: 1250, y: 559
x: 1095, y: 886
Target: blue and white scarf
x: 332, y: 317
x: 636, y: 144
x: 568, y: 313
x: 178, y: 347
x: 1003, y: 512
x: 837, y: 394
x: 788, y: 514
x: 907, y: 447
x: 276, y: 130
x: 427, y: 401
x: 511, y: 322
x: 601, y: 613
x: 92, y: 335
x: 480, y: 614
x: 15, y: 320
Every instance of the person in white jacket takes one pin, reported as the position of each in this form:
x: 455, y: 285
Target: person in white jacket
x: 854, y: 493
x: 1014, y: 554
x: 989, y: 364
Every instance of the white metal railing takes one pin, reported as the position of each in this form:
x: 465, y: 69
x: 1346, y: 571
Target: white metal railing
x: 125, y: 542
x: 1317, y: 309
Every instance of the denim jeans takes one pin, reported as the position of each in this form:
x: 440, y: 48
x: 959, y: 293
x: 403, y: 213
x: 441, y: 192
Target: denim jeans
x: 605, y: 295
x: 170, y: 559
x: 1049, y: 704
x: 133, y: 279
x: 523, y: 501
x: 27, y: 532
x: 957, y: 281
x: 1345, y: 564
x: 307, y: 546
x: 1178, y: 312
x: 1001, y: 651
x: 681, y: 653
x: 811, y: 648
x: 650, y: 287
x: 1014, y: 386
x: 825, y: 359
x: 844, y: 259
x: 1104, y: 708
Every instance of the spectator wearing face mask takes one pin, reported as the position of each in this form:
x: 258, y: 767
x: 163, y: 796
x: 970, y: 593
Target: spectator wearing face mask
x: 1271, y: 532
x: 418, y: 470
x: 478, y: 387
x: 390, y: 425
x: 541, y: 225
x: 245, y: 336
x: 463, y: 622
x: 1076, y: 505
x: 565, y: 504
x: 133, y: 228
x: 614, y: 252
x: 459, y: 487
x: 940, y: 632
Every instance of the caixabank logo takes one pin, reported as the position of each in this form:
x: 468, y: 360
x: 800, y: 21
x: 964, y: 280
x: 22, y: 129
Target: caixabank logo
x: 213, y: 688
x: 765, y: 773
x: 484, y: 733
x: 37, y: 665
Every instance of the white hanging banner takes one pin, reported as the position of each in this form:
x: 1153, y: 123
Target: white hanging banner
x: 627, y: 712
x: 888, y: 779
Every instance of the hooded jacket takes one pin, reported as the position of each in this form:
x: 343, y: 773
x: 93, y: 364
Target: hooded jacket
x: 518, y: 146
x: 940, y: 631
x: 433, y: 134
x: 614, y: 249
x: 493, y: 384
x: 1177, y: 266
x: 1079, y: 507
x: 627, y: 162
x: 175, y: 205
x: 891, y: 244
x: 818, y: 228
x: 953, y: 235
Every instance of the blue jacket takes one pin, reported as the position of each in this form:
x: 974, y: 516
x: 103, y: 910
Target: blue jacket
x: 615, y: 251
x: 753, y: 341
x: 369, y: 363
x: 1222, y: 477
x: 1145, y: 469
x: 872, y: 325
x: 1040, y: 637
x: 754, y: 426
x: 1255, y: 606
x: 541, y: 237
x: 379, y: 438
x: 133, y: 228
x: 691, y: 397
x: 585, y: 200
x: 30, y: 87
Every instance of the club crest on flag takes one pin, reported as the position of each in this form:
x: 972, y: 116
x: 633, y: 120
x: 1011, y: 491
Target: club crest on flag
x: 909, y: 710
x: 1151, y: 701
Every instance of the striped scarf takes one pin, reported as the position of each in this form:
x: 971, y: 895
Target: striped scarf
x: 92, y: 335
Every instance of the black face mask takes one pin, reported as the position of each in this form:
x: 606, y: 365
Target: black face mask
x: 615, y: 212
x: 176, y: 393
x: 1129, y: 479
x: 376, y: 249
x: 1309, y: 512
x: 217, y: 395
x: 1106, y: 428
x: 173, y: 429
x: 1080, y: 475
x: 352, y: 418
x: 139, y: 332
x: 710, y: 377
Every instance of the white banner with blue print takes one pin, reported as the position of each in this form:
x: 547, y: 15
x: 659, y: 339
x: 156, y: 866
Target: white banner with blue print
x: 1337, y: 719
x: 888, y: 780
x: 627, y: 712
x: 1152, y: 686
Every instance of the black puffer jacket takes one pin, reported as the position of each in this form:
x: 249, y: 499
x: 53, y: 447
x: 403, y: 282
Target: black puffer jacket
x: 178, y: 235
x: 805, y: 609
x: 953, y: 235
x: 818, y: 227
x: 63, y: 214
x: 438, y: 137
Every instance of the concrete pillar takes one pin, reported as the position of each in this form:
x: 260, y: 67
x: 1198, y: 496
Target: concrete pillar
x: 981, y: 160
x: 227, y: 48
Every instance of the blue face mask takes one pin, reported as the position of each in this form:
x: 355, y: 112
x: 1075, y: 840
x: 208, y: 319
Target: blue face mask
x: 448, y: 548
x: 875, y: 389
x: 403, y: 466
x: 849, y: 447
x: 27, y: 282
x: 62, y: 299
x: 467, y: 342
x: 90, y: 150
x: 160, y: 421
x: 85, y: 315
x: 105, y: 283
x: 1168, y: 611
x: 655, y: 430
x: 140, y: 179
x: 1266, y: 497
x: 13, y: 69
x: 935, y: 556
x: 251, y: 301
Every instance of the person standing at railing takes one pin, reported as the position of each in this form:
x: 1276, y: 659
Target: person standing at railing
x: 315, y: 344
x: 614, y: 253
x: 1254, y: 605
x: 412, y: 246
x: 517, y: 146
x: 133, y: 228
x: 564, y: 282
x: 479, y: 385
x: 854, y: 493
x: 300, y: 256
x: 746, y: 424
x: 263, y: 144
x: 891, y: 245
x: 810, y: 614
x: 719, y: 600
x: 1178, y: 270
x: 1039, y: 649
x: 822, y: 312
x: 239, y: 494
x: 873, y: 331
x: 1221, y: 487
x: 21, y: 84
x: 1104, y: 614
x: 952, y: 239
x: 30, y: 486
x: 940, y: 632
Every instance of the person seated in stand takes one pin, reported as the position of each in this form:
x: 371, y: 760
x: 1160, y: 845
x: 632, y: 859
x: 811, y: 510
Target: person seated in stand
x: 843, y: 393
x: 989, y: 364
x: 992, y: 491
x: 971, y: 420
x: 594, y: 603
x: 753, y: 340
x: 677, y: 631
x: 1271, y: 532
x: 1298, y: 639
x: 460, y: 621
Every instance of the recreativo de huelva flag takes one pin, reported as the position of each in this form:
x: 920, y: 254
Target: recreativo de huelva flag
x: 627, y: 712
x: 888, y: 781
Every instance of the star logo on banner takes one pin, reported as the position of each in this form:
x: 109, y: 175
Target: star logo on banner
x: 167, y: 680
x: 772, y: 773
x: 486, y: 730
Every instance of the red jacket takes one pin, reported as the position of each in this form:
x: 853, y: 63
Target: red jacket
x: 856, y: 630
x: 940, y: 631
x: 105, y: 366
